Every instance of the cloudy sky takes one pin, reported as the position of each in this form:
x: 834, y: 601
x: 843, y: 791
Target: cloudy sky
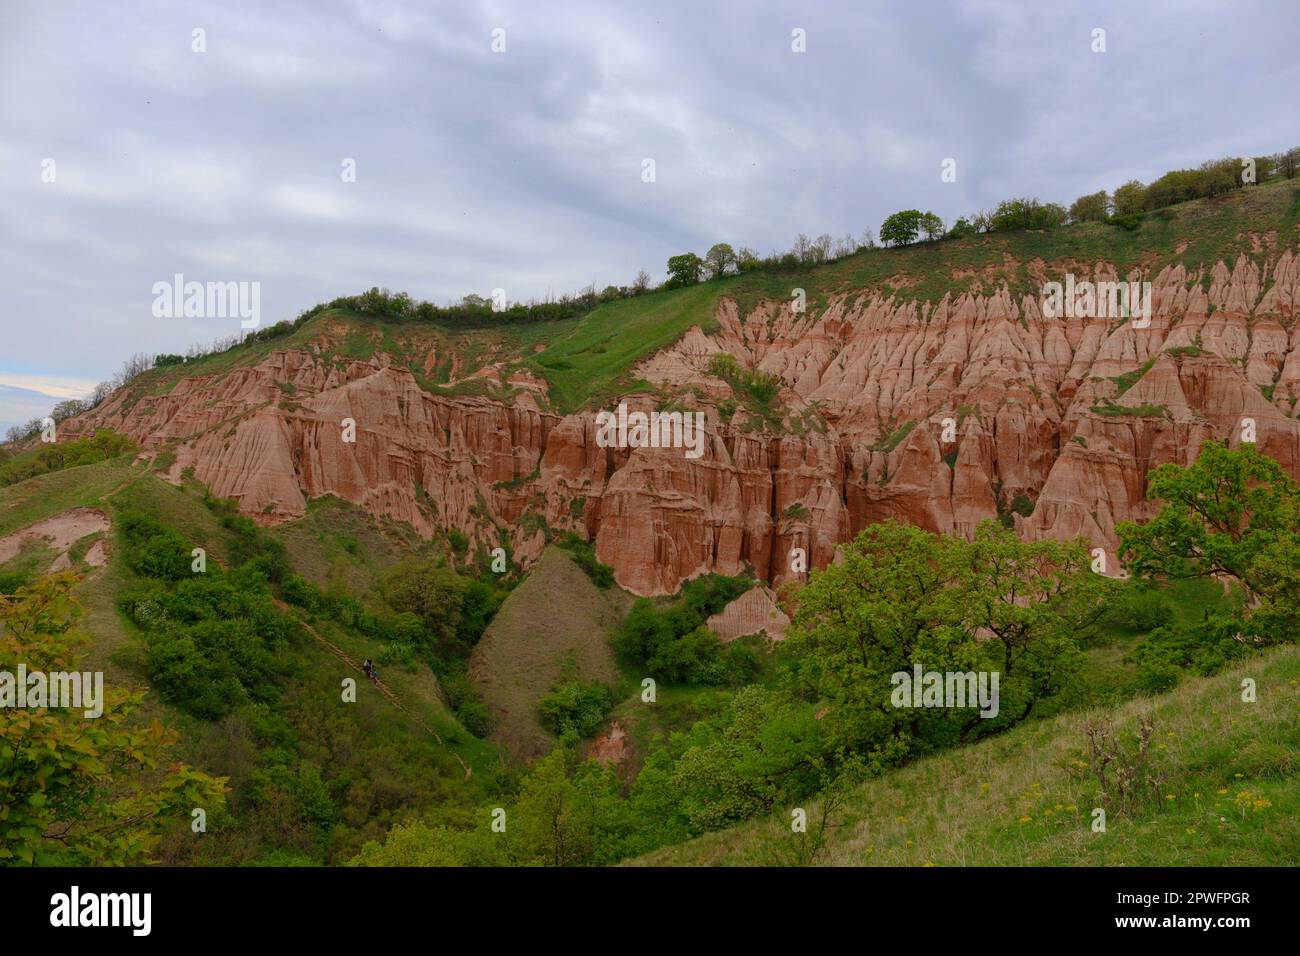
x: 522, y: 169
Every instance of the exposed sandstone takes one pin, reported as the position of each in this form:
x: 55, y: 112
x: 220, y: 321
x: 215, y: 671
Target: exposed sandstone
x: 1000, y: 401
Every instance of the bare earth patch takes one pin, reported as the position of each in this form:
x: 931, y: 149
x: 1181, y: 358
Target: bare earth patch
x: 612, y: 747
x: 61, y: 532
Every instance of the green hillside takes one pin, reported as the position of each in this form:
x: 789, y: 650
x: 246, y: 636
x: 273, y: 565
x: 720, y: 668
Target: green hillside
x: 309, y: 777
x: 555, y: 626
x: 495, y: 690
x: 587, y: 359
x: 1229, y: 793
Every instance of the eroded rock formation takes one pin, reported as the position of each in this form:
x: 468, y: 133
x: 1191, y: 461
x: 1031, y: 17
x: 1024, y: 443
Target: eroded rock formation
x: 942, y: 414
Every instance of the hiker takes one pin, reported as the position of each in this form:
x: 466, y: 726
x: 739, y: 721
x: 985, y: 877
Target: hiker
x: 369, y: 668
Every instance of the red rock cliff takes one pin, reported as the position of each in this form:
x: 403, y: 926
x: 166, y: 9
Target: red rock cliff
x: 942, y: 414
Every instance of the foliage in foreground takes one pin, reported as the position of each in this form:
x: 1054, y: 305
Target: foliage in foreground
x: 78, y: 791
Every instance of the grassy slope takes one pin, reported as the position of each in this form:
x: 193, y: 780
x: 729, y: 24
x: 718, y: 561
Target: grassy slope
x: 1195, y: 234
x: 587, y: 360
x: 117, y: 648
x: 1231, y: 795
x: 554, y: 616
x: 337, y: 539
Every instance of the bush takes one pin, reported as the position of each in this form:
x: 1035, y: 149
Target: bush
x: 462, y: 697
x: 1026, y: 214
x: 575, y: 709
x: 1142, y: 609
x: 675, y: 644
x: 154, y: 550
x: 583, y: 553
x: 103, y: 445
x: 434, y: 594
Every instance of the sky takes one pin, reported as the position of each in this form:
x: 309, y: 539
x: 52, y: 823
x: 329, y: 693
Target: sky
x: 129, y: 155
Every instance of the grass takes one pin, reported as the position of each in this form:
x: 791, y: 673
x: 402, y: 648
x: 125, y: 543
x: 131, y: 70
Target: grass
x: 588, y: 361
x: 556, y: 619
x: 380, y: 763
x: 896, y: 438
x: 1128, y: 379
x: 36, y: 498
x: 1111, y: 410
x: 1106, y: 676
x: 1230, y: 796
x: 336, y: 538
x: 31, y: 562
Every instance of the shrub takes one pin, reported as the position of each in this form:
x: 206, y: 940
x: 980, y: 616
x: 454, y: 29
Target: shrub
x: 675, y: 644
x: 574, y: 709
x: 583, y: 553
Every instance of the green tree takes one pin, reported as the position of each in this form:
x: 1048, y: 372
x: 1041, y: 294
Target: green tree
x: 554, y: 821
x: 901, y: 228
x: 931, y: 225
x: 1232, y: 514
x: 962, y: 228
x: 1039, y: 599
x: 684, y: 270
x: 575, y: 709
x: 887, y: 605
x: 720, y: 258
x: 1129, y: 198
x: 1094, y: 207
x: 764, y: 748
x: 747, y: 260
x: 78, y: 791
x: 433, y: 593
x: 1026, y: 214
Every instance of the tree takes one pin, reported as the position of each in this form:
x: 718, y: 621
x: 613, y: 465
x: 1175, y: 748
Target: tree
x: 747, y: 260
x: 641, y: 283
x: 1219, y: 176
x: 1094, y: 207
x: 1233, y: 514
x: 78, y: 791
x: 900, y: 228
x: 1129, y: 198
x: 903, y: 597
x: 1026, y: 214
x: 962, y: 228
x: 554, y: 820
x: 101, y: 392
x: 871, y: 615
x: 1288, y: 162
x: 434, y: 594
x: 802, y: 248
x: 820, y: 249
x: 137, y: 364
x: 720, y: 258
x: 68, y: 409
x: 764, y: 748
x: 931, y: 225
x: 684, y: 270
x: 1265, y: 168
x: 1039, y: 599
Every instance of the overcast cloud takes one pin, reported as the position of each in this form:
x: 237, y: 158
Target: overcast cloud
x: 522, y: 170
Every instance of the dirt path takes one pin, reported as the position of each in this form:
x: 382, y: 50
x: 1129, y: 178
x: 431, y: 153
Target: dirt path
x: 384, y: 689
